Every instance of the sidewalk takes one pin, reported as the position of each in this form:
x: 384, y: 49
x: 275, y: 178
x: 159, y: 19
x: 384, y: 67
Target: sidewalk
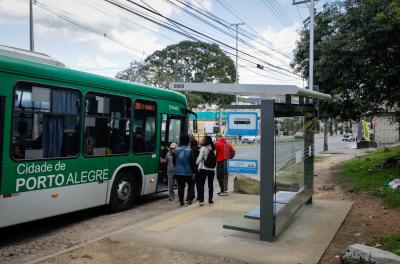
x: 195, y: 235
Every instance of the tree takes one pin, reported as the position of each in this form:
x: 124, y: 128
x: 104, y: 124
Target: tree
x: 357, y: 56
x: 197, y: 62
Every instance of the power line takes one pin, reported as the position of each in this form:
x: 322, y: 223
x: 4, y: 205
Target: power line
x: 190, y: 11
x: 298, y: 11
x: 69, y: 18
x: 257, y: 36
x: 282, y: 11
x: 124, y: 21
x: 275, y: 12
x: 81, y: 25
x: 263, y: 75
x: 190, y: 36
x: 202, y: 34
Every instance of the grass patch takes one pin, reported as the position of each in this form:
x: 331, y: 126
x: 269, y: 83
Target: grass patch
x: 391, y: 243
x: 362, y: 174
x: 320, y: 158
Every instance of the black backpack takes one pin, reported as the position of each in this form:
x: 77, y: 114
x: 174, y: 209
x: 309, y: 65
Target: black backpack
x: 211, y: 160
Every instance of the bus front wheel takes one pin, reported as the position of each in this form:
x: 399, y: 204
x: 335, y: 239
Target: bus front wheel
x: 122, y: 193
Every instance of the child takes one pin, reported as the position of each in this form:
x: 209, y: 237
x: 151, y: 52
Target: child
x: 169, y: 159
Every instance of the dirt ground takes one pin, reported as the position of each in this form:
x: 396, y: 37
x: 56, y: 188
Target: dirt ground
x: 110, y: 251
x: 367, y: 220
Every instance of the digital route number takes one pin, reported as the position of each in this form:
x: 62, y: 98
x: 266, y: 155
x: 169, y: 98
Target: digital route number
x: 179, y: 86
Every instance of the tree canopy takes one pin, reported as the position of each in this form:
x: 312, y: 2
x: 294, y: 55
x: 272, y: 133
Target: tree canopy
x: 356, y: 56
x: 186, y: 61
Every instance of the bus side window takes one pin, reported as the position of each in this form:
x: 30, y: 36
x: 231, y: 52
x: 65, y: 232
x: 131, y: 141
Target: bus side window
x: 145, y: 114
x: 45, y: 122
x: 107, y: 124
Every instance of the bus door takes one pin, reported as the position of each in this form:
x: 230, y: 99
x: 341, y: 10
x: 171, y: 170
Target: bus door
x: 2, y: 103
x: 171, y: 127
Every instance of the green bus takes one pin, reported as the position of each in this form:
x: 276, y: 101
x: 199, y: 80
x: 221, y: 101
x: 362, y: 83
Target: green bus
x: 72, y: 140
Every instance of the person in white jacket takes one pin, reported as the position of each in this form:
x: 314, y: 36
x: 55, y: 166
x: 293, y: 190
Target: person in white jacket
x: 206, y: 172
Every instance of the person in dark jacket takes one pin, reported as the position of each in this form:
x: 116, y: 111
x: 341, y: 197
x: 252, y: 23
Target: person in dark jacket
x: 194, y: 146
x: 184, y: 170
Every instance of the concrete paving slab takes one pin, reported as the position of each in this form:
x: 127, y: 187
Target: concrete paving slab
x: 199, y: 230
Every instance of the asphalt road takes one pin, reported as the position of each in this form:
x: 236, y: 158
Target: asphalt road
x: 285, y: 149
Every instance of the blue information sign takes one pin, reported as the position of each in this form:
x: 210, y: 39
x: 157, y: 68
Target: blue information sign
x: 242, y: 124
x: 243, y: 166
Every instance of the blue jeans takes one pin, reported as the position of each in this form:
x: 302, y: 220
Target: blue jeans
x: 182, y: 181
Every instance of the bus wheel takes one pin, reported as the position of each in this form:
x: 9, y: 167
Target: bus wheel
x: 122, y: 193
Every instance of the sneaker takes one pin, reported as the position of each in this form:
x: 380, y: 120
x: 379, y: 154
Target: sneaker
x: 181, y: 204
x: 201, y: 203
x: 222, y: 193
x: 188, y: 202
x: 226, y: 193
x: 210, y: 202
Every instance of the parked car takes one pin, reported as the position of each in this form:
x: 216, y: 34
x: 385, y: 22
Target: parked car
x: 248, y: 139
x: 299, y: 135
x: 348, y: 137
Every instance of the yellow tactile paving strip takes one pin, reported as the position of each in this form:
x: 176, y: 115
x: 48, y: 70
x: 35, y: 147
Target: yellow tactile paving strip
x: 182, y: 218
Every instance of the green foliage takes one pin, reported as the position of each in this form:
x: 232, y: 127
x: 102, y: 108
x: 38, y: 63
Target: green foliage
x: 370, y: 174
x: 357, y: 51
x: 391, y: 243
x: 197, y: 62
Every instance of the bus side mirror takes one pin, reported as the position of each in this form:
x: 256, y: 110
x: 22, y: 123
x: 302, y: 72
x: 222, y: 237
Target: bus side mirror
x: 195, y: 126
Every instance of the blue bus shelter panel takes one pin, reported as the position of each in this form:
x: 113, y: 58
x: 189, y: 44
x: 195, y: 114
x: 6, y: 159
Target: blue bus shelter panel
x: 243, y: 166
x: 242, y: 123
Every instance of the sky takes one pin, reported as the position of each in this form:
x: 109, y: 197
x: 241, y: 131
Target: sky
x: 98, y: 37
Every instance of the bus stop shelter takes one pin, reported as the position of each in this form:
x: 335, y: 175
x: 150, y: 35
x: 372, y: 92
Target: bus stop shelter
x: 288, y: 116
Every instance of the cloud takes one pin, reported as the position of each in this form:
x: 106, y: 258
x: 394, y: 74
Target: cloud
x: 138, y: 43
x: 98, y: 23
x: 13, y: 12
x: 97, y: 65
x: 284, y: 39
x: 128, y: 35
x: 200, y: 4
x: 283, y: 42
x: 97, y: 61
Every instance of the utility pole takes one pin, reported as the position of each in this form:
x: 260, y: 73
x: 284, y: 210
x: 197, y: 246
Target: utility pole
x: 237, y: 65
x: 176, y: 63
x: 31, y: 46
x: 311, y: 60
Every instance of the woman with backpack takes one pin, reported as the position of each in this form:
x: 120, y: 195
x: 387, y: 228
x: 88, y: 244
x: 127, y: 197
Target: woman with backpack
x: 206, y: 162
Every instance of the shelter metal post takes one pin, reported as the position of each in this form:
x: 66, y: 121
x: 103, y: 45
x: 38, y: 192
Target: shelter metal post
x: 267, y: 161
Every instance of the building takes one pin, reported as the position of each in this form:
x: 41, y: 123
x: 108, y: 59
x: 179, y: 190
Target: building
x: 386, y: 130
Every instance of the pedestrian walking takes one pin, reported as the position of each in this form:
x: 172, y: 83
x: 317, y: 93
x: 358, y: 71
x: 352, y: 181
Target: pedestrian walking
x: 184, y: 167
x: 224, y: 151
x: 169, y: 161
x: 194, y: 146
x: 206, y: 162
